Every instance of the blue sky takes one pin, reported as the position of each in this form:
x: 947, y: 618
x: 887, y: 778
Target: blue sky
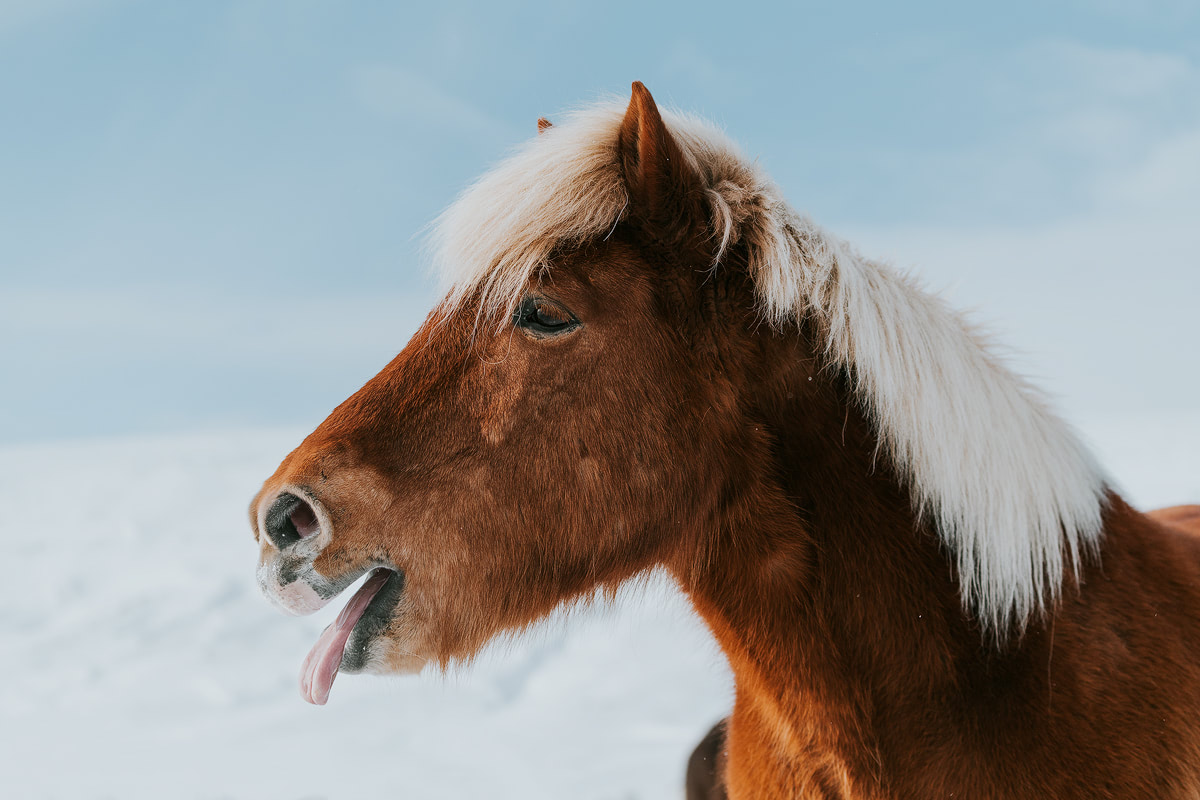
x: 209, y: 210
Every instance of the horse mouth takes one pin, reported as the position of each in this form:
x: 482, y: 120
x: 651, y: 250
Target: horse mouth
x: 344, y: 644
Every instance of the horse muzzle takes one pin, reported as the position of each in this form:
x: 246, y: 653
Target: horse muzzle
x: 297, y: 526
x: 297, y: 530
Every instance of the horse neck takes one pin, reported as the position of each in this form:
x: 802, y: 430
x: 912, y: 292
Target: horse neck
x: 826, y: 593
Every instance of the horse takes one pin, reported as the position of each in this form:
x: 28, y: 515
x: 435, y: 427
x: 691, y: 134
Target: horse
x: 645, y: 359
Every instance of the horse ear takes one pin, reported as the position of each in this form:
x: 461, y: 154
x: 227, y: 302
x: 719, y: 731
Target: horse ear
x: 543, y: 125
x: 663, y: 186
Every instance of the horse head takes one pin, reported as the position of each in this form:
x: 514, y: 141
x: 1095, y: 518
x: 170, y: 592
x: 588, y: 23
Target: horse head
x: 547, y: 432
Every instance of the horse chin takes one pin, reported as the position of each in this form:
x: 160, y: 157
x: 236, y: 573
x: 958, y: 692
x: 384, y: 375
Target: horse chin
x: 388, y: 656
x: 369, y: 646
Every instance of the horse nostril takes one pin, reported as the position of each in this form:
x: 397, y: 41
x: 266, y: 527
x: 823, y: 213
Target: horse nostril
x: 290, y: 519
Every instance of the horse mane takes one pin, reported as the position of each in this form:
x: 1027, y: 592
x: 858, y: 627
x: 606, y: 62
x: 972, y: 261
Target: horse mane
x: 1009, y: 487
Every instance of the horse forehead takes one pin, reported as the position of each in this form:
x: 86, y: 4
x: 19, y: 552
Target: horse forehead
x: 617, y: 266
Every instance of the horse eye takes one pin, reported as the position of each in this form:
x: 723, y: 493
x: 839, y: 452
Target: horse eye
x: 543, y: 317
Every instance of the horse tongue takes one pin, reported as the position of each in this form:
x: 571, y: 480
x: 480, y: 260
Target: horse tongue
x: 322, y: 662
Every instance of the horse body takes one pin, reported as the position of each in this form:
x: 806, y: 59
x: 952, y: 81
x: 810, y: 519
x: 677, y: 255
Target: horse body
x: 922, y: 583
x: 858, y: 674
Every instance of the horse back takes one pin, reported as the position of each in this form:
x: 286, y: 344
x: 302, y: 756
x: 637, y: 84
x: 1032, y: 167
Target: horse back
x: 1184, y: 518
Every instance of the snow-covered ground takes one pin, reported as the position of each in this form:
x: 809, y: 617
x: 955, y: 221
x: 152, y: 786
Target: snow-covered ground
x: 138, y: 659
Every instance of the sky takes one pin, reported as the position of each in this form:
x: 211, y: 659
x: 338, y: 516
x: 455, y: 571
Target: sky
x: 211, y: 213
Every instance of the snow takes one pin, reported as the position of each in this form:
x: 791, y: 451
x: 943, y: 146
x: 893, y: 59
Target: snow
x: 140, y: 660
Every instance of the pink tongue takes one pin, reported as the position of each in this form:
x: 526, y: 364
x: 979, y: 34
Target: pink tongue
x: 322, y: 662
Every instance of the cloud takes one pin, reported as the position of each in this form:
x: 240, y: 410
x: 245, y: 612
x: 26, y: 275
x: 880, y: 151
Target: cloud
x: 398, y: 93
x: 1090, y: 102
x: 1099, y: 306
x: 1051, y: 130
x: 1095, y: 288
x: 1159, y: 12
x: 685, y: 60
x: 18, y: 15
x: 1120, y: 124
x: 1164, y: 185
x: 1073, y: 70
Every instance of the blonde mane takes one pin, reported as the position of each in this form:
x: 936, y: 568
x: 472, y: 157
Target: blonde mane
x: 1013, y: 493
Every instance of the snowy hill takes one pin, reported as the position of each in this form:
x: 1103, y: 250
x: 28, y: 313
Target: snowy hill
x: 140, y: 660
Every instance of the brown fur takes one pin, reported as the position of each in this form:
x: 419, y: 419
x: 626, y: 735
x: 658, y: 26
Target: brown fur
x: 506, y: 474
x: 1184, y: 517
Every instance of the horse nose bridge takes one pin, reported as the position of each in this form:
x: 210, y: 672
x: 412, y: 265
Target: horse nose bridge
x: 389, y: 405
x: 287, y: 508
